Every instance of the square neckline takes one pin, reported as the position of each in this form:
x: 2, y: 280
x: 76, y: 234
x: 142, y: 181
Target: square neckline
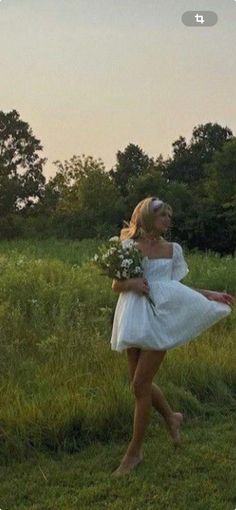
x: 158, y: 258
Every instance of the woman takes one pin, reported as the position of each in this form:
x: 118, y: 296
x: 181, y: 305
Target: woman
x: 182, y: 313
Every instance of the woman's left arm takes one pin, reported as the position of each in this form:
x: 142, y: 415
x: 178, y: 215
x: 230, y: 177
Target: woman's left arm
x: 222, y: 297
x: 202, y: 291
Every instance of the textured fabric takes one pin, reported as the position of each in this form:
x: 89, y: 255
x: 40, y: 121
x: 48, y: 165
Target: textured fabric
x: 181, y: 312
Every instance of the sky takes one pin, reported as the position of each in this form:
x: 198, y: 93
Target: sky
x: 92, y: 76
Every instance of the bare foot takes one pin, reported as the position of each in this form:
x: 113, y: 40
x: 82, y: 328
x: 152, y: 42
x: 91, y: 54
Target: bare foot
x: 127, y: 465
x: 174, y: 427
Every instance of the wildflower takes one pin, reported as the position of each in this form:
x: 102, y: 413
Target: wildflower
x: 121, y: 261
x: 114, y: 238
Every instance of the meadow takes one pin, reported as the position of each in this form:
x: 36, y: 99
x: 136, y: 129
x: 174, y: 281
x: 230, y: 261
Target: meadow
x: 62, y: 388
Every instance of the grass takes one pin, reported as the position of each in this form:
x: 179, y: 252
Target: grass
x: 65, y: 406
x: 199, y: 475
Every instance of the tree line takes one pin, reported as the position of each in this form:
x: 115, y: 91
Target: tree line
x: 85, y: 200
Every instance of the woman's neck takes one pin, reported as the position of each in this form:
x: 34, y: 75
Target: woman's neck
x: 152, y: 238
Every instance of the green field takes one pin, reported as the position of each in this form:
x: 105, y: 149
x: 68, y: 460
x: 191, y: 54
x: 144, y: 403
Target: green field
x: 64, y: 392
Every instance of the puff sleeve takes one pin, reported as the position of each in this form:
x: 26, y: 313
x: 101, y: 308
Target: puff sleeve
x: 179, y: 266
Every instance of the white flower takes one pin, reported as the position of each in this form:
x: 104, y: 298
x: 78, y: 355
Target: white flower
x: 126, y: 263
x: 127, y: 243
x: 114, y: 238
x: 95, y: 257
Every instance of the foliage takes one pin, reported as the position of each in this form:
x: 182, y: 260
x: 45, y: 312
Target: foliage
x: 83, y: 200
x: 21, y: 177
x: 89, y: 205
x: 132, y: 162
x: 188, y: 162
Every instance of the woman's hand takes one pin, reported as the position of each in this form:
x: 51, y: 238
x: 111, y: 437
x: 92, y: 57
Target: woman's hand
x: 139, y: 285
x: 222, y: 297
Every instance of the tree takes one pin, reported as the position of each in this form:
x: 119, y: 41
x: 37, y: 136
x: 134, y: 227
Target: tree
x: 188, y: 161
x: 149, y: 184
x: 220, y: 175
x: 132, y: 162
x: 89, y: 204
x: 220, y: 188
x: 21, y: 177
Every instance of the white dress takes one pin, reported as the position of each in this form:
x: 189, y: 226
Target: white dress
x: 181, y: 312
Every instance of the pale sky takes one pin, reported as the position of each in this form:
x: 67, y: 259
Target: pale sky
x: 92, y: 76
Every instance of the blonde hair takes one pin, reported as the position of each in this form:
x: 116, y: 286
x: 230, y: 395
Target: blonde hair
x: 142, y: 219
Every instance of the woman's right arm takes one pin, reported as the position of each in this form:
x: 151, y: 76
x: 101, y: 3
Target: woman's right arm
x: 139, y: 285
x: 121, y: 285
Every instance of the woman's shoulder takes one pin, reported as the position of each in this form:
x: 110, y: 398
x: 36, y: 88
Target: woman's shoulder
x: 170, y: 246
x: 178, y: 253
x: 175, y: 244
x: 177, y: 248
x: 174, y: 247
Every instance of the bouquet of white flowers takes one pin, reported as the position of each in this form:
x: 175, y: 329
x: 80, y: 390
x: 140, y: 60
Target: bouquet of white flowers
x: 121, y: 261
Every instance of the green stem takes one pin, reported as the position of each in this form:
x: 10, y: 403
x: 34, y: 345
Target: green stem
x: 153, y: 306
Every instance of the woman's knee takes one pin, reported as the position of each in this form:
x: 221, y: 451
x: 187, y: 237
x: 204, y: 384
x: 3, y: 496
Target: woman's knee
x: 141, y: 387
x: 147, y: 366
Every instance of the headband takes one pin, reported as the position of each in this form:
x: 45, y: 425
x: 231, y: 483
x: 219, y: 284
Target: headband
x: 157, y: 203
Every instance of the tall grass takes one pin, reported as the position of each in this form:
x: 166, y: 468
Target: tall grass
x: 61, y: 385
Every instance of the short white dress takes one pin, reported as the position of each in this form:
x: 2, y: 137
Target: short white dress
x: 181, y: 313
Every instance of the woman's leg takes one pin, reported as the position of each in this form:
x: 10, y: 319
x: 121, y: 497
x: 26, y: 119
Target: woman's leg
x: 173, y: 420
x: 148, y: 364
x: 147, y: 367
x: 159, y: 402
